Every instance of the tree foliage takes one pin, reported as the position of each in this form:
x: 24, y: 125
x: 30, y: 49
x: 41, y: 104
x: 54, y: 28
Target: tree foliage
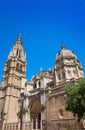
x: 75, y: 100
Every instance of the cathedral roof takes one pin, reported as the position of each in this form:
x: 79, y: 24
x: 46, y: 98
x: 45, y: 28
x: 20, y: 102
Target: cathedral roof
x: 64, y: 53
x: 47, y: 74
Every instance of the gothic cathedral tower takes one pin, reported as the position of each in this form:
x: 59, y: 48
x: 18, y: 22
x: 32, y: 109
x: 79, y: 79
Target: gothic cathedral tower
x: 13, y: 80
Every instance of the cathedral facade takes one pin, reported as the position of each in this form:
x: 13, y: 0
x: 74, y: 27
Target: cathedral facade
x: 40, y: 103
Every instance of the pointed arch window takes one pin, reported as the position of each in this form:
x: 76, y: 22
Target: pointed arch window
x: 17, y: 52
x: 17, y: 66
x: 35, y: 85
x: 39, y: 83
x: 69, y: 73
x: 63, y: 74
x: 61, y: 113
x: 59, y: 77
x: 20, y: 67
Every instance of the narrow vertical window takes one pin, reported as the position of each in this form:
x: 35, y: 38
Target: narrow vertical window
x: 17, y: 52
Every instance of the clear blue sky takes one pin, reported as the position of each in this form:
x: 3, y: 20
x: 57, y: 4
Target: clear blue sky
x: 44, y: 24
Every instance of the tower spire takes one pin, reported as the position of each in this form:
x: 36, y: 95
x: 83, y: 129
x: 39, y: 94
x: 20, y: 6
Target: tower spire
x: 18, y: 50
x: 19, y: 38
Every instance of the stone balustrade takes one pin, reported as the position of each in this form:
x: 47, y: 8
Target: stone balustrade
x: 33, y: 125
x: 16, y: 126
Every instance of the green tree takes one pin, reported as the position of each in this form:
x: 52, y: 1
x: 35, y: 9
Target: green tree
x: 75, y: 100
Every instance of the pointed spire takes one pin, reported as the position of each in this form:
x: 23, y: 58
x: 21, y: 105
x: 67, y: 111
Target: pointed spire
x: 18, y: 50
x: 19, y: 38
x: 63, y: 46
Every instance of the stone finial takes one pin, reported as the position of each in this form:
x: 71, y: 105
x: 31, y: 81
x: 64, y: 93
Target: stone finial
x: 49, y: 69
x: 63, y: 46
x: 19, y: 38
x: 40, y: 68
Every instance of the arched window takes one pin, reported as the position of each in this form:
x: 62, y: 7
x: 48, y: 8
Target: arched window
x: 60, y: 113
x: 63, y: 74
x: 39, y: 83
x: 35, y: 86
x: 20, y: 67
x: 17, y: 52
x: 58, y: 74
x: 69, y: 73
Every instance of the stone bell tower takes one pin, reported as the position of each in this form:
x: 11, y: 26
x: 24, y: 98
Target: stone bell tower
x: 13, y: 80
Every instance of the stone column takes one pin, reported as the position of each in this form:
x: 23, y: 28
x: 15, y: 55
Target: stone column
x: 32, y: 124
x: 36, y: 124
x: 3, y: 125
x: 19, y: 125
x: 6, y: 104
x: 66, y: 74
x: 24, y: 126
x: 56, y: 78
x: 41, y: 124
x: 15, y: 126
x: 11, y: 126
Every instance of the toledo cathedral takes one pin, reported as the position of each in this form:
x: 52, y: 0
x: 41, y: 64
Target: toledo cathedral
x: 38, y: 104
